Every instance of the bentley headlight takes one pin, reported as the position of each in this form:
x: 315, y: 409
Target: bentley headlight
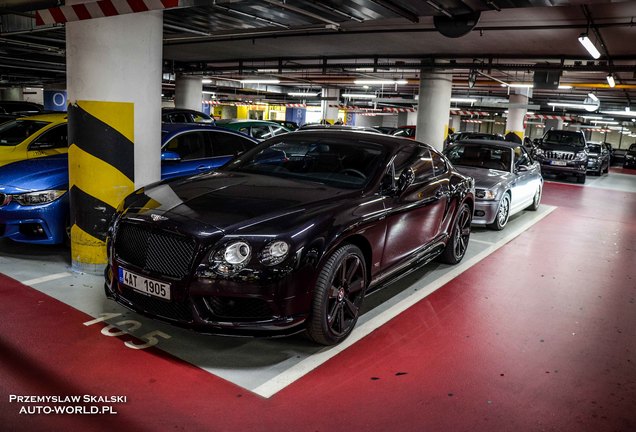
x: 39, y: 197
x: 231, y: 258
x: 486, y: 194
x: 274, y: 253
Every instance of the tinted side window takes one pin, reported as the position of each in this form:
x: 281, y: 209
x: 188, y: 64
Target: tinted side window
x: 56, y: 137
x: 439, y: 163
x: 261, y: 132
x: 228, y: 144
x: 416, y: 158
x: 189, y: 145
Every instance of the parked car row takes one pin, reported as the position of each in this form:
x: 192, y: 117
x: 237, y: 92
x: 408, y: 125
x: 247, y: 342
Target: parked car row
x: 293, y: 234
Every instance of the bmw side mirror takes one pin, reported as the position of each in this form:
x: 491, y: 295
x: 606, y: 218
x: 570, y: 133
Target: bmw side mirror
x: 169, y: 156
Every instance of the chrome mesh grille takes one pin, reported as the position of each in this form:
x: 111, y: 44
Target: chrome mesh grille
x: 156, y: 251
x: 559, y: 155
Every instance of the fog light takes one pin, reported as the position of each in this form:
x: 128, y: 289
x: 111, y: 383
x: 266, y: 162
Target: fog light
x: 479, y: 213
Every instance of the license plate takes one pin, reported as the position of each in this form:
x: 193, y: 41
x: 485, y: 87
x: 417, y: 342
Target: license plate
x: 559, y: 163
x: 144, y: 285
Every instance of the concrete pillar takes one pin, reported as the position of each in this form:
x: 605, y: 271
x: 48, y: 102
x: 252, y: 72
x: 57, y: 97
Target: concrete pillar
x: 188, y: 92
x: 333, y: 98
x: 517, y: 113
x: 12, y: 94
x: 114, y: 92
x: 553, y: 124
x: 433, y: 109
x: 456, y: 122
x: 402, y: 119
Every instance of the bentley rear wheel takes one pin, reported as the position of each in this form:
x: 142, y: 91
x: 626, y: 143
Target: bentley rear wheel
x: 458, y: 242
x: 338, y: 296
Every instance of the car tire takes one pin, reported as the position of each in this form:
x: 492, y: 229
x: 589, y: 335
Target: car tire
x: 581, y: 179
x: 458, y: 242
x: 338, y: 295
x: 536, y: 200
x: 503, y: 213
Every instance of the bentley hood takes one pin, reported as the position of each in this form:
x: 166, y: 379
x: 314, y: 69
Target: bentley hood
x: 235, y: 201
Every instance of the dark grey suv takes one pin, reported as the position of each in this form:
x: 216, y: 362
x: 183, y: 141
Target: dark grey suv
x: 563, y: 152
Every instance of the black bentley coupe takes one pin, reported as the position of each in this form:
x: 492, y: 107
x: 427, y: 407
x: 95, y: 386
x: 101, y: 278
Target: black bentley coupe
x: 289, y: 236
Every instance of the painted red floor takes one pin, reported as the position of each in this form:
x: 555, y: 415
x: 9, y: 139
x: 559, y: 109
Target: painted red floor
x: 539, y: 336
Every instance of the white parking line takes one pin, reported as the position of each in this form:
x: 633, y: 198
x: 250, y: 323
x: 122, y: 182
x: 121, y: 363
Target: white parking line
x: 282, y: 380
x: 46, y: 278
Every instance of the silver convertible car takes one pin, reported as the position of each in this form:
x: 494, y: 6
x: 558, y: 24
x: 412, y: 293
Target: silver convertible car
x: 507, y: 180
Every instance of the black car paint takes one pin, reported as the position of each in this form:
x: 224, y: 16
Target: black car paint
x: 316, y: 219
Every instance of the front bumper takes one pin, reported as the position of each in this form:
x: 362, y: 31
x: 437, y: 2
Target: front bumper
x: 255, y: 307
x: 629, y: 163
x: 485, y: 212
x: 563, y: 167
x: 41, y: 224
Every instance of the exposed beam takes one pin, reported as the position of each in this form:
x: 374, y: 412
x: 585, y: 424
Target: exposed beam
x: 405, y: 13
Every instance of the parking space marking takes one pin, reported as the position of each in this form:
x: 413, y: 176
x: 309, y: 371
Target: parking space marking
x: 279, y: 382
x: 48, y: 278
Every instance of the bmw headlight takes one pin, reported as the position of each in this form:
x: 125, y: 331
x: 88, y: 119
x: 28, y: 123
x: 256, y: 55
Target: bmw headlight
x: 580, y: 156
x: 486, y: 194
x: 231, y: 258
x: 39, y: 197
x: 274, y: 253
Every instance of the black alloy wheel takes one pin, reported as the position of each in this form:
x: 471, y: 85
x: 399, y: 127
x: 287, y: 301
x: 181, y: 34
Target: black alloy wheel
x: 503, y: 213
x: 338, y: 296
x: 458, y: 242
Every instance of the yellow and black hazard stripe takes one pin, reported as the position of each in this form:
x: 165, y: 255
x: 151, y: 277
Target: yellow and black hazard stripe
x: 101, y: 172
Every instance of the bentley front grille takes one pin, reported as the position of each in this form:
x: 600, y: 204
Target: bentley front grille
x: 557, y: 155
x: 156, y: 251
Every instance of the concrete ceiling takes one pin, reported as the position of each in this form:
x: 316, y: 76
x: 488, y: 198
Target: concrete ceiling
x: 311, y: 44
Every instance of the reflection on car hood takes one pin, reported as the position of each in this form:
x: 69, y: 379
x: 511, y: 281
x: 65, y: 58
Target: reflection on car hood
x: 230, y: 201
x: 35, y: 174
x: 561, y: 147
x: 485, y: 178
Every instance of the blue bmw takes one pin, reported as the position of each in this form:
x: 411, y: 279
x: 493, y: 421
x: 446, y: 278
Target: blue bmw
x: 34, y: 206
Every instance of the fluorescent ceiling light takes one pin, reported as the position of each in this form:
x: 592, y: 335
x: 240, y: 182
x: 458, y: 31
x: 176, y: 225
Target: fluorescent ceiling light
x: 572, y: 105
x: 620, y: 113
x: 592, y: 96
x: 302, y: 94
x: 604, y: 122
x: 610, y: 81
x: 589, y: 46
x: 379, y: 82
x: 206, y: 81
x: 359, y: 95
x: 260, y: 81
x: 463, y: 100
x: 592, y: 117
x: 518, y: 85
x: 565, y: 87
